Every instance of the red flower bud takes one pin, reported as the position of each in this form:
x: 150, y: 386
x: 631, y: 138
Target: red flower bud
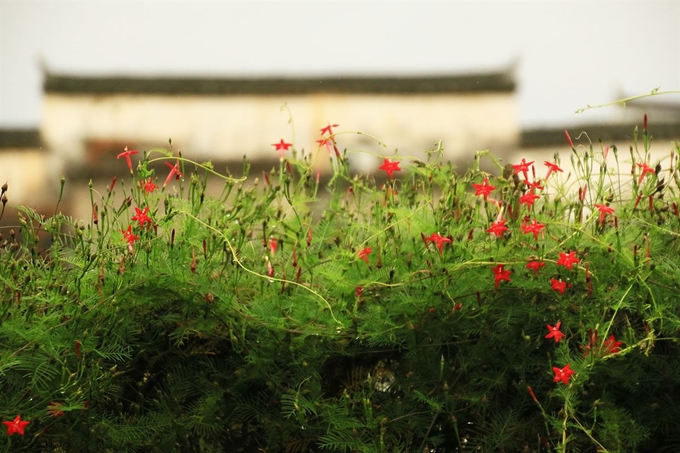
x: 531, y: 392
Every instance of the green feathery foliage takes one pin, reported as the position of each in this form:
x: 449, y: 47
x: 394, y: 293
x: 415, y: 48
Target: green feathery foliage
x: 430, y: 310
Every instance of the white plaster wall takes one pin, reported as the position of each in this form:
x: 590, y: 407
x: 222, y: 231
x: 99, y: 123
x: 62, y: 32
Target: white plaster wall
x: 228, y: 127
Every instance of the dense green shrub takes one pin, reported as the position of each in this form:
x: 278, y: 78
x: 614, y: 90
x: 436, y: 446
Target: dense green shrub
x: 432, y: 311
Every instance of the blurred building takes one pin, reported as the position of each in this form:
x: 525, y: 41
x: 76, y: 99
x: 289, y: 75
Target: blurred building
x: 87, y: 121
x: 225, y: 119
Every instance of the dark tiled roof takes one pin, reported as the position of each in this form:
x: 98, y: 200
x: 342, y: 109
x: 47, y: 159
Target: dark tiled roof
x: 463, y: 83
x: 535, y: 138
x: 20, y: 138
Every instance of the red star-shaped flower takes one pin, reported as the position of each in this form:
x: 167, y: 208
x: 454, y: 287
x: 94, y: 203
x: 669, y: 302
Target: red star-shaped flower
x: 363, y: 254
x: 531, y: 186
x: 535, y: 265
x: 528, y: 199
x: 439, y: 240
x: 563, y: 374
x: 554, y: 332
x: 497, y: 228
x: 534, y: 227
x: 126, y: 154
x: 281, y: 147
x: 389, y: 167
x: 328, y: 129
x: 500, y: 274
x: 645, y: 169
x: 604, y: 210
x: 149, y: 186
x: 484, y: 188
x: 552, y: 168
x: 16, y: 426
x: 558, y: 285
x: 129, y: 237
x: 568, y: 260
x: 325, y: 142
x: 523, y: 167
x: 611, y: 346
x: 142, y: 217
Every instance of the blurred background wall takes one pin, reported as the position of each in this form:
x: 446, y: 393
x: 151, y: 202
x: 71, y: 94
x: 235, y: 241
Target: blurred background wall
x: 81, y: 80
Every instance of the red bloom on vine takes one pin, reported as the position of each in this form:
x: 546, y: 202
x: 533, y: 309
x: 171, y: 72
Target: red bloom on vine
x: 174, y: 171
x: 149, y: 186
x: 500, y: 274
x: 390, y: 167
x: 126, y: 154
x: 604, y: 210
x: 563, y: 374
x: 484, y: 188
x: 535, y: 265
x: 558, y: 285
x: 16, y: 426
x: 438, y: 239
x: 142, y: 217
x: 363, y: 254
x: 129, y: 237
x: 611, y: 346
x: 523, y: 167
x: 281, y: 147
x: 568, y: 260
x: 531, y: 186
x: 328, y: 129
x: 534, y: 227
x: 528, y: 199
x: 645, y: 169
x: 554, y: 332
x: 552, y: 168
x: 497, y: 228
x: 327, y: 143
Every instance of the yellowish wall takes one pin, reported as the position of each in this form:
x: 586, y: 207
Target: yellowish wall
x: 228, y: 127
x: 25, y: 171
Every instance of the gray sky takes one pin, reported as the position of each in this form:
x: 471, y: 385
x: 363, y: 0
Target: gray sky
x: 568, y: 53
